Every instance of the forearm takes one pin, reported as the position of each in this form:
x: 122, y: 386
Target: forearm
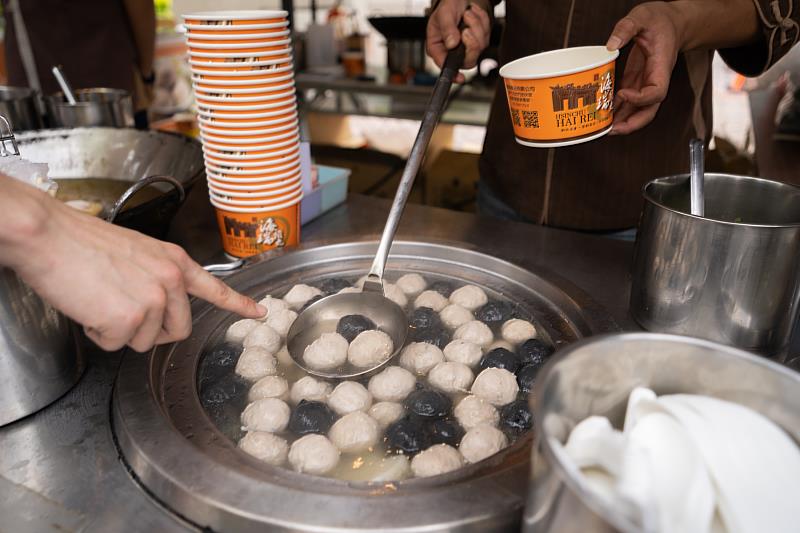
x: 142, y: 19
x: 714, y: 24
x: 25, y: 213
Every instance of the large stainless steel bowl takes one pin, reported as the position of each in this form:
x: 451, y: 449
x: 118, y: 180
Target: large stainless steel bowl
x: 184, y: 460
x: 596, y: 376
x: 732, y: 276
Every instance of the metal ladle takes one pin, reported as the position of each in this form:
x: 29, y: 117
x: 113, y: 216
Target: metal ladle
x: 696, y: 180
x: 323, y: 315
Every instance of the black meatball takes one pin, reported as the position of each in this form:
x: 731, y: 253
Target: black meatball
x: 495, y: 312
x: 527, y: 377
x: 224, y: 389
x: 500, y: 358
x: 436, y: 336
x: 424, y: 318
x: 311, y: 417
x: 407, y: 435
x: 535, y: 352
x: 333, y: 285
x: 445, y: 431
x: 442, y: 287
x: 516, y: 417
x: 313, y: 300
x: 350, y: 326
x: 428, y: 403
x: 218, y: 363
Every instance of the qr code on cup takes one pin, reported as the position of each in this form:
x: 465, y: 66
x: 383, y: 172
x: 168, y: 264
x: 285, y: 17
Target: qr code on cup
x: 527, y: 119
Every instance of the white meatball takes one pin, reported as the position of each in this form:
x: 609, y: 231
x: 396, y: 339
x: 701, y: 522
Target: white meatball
x: 469, y: 297
x: 263, y: 336
x: 299, y: 295
x: 420, y: 357
x: 273, y: 305
x: 310, y: 389
x: 451, y: 377
x: 392, y: 385
x: 411, y: 284
x: 431, y: 299
x: 255, y: 362
x: 481, y: 442
x: 436, y: 460
x: 394, y: 293
x: 281, y: 321
x: 370, y: 348
x: 461, y: 351
x: 269, y: 387
x: 349, y: 396
x: 386, y: 413
x: 475, y: 332
x: 239, y: 330
x: 500, y: 343
x: 265, y: 446
x: 313, y: 454
x: 473, y: 411
x: 355, y: 432
x: 517, y: 331
x: 496, y: 385
x: 268, y: 414
x: 329, y: 351
x: 454, y: 316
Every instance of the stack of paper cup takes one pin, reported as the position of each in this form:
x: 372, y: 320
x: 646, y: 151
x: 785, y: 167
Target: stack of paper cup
x: 243, y: 80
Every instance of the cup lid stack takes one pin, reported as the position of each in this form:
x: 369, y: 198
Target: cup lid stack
x: 243, y: 79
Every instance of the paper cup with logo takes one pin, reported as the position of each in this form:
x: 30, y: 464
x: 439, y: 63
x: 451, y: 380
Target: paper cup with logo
x: 236, y: 178
x: 246, y: 232
x: 561, y: 97
x: 247, y: 65
x: 230, y: 37
x: 254, y: 196
x: 235, y: 100
x: 278, y: 114
x: 241, y: 29
x: 244, y: 78
x: 236, y: 17
x: 234, y: 186
x: 222, y: 160
x: 254, y: 150
x: 235, y: 171
x: 213, y: 112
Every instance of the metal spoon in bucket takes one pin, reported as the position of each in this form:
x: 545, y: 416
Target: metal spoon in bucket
x: 323, y: 315
x: 696, y: 179
x: 66, y: 88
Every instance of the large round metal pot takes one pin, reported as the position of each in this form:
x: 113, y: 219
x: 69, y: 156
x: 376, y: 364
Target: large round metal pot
x: 18, y: 106
x: 596, y: 376
x: 39, y: 358
x: 184, y: 460
x: 126, y: 155
x: 732, y: 276
x: 111, y: 108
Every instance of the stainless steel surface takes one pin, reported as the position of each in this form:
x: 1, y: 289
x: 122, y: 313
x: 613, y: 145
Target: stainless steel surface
x: 388, y: 315
x: 184, y: 459
x: 111, y: 108
x: 7, y: 136
x: 18, y: 105
x: 121, y: 154
x: 59, y: 470
x: 595, y: 377
x: 38, y: 358
x: 732, y: 282
x: 696, y: 171
x: 66, y: 89
x: 138, y: 186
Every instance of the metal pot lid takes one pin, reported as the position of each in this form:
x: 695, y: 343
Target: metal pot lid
x: 183, y: 459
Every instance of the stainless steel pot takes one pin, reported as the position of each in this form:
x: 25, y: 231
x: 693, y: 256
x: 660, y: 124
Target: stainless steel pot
x: 18, y: 105
x: 39, y: 358
x: 111, y: 108
x: 731, y: 277
x: 595, y: 377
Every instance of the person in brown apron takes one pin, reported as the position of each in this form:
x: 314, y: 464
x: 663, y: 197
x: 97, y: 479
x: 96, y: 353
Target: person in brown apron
x: 663, y: 98
x: 98, y: 43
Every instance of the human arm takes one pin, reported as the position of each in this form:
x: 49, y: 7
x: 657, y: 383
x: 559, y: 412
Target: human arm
x: 443, y: 34
x: 659, y: 32
x: 142, y: 20
x: 123, y: 287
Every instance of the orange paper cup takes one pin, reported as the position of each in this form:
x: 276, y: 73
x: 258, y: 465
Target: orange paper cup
x: 256, y: 202
x: 238, y: 109
x: 249, y: 64
x: 228, y: 187
x: 254, y: 180
x: 561, y: 97
x: 253, y: 194
x: 211, y: 77
x: 237, y: 17
x: 269, y: 36
x: 256, y: 150
x: 230, y: 157
x: 241, y: 29
x: 227, y: 47
x: 248, y: 232
x: 231, y: 99
x: 249, y: 118
x: 226, y: 130
x: 233, y: 172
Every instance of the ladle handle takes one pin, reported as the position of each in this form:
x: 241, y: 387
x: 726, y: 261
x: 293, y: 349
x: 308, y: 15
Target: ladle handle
x: 66, y: 88
x: 453, y: 62
x: 696, y: 177
x: 138, y: 186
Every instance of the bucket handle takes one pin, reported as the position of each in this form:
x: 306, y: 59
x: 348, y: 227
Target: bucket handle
x: 138, y: 186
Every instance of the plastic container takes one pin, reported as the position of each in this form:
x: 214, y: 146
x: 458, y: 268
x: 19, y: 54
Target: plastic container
x: 561, y: 97
x: 331, y: 192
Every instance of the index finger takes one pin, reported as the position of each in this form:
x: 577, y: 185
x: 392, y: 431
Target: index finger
x: 203, y: 285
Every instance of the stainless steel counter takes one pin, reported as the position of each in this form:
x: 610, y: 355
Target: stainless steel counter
x: 59, y: 468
